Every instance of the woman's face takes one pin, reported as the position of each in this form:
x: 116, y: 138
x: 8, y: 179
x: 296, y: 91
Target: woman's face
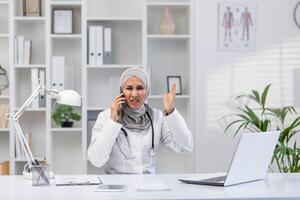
x: 134, y: 91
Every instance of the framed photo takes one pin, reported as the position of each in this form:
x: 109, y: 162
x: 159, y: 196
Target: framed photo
x: 237, y: 26
x: 62, y: 21
x: 174, y: 79
x: 32, y: 8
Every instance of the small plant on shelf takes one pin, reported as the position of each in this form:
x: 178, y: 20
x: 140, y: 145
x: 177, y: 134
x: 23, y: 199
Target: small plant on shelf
x: 64, y: 116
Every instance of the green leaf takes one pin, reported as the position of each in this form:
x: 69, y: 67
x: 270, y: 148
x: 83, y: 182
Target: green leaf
x: 256, y: 96
x: 264, y: 96
x: 232, y: 123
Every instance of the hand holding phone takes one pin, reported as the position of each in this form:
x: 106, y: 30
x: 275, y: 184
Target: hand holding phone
x: 117, y: 107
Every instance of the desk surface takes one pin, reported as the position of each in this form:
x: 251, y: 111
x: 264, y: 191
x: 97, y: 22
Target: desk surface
x: 274, y: 186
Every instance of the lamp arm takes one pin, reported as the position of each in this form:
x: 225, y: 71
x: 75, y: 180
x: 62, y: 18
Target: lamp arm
x: 24, y: 143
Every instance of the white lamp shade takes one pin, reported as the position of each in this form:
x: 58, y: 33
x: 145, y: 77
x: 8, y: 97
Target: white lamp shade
x: 69, y: 97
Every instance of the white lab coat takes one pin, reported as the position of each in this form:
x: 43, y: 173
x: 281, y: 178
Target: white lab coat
x: 121, y: 154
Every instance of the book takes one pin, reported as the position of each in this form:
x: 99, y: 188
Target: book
x: 4, y: 109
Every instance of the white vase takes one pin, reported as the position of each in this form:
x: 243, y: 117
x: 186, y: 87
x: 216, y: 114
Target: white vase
x: 167, y: 25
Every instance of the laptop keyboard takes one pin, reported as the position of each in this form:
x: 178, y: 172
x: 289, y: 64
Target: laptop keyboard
x: 216, y: 179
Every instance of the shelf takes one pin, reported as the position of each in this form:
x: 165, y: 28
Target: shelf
x: 157, y: 36
x: 66, y: 3
x: 30, y: 66
x: 180, y: 4
x: 114, y: 19
x: 4, y: 97
x: 4, y: 129
x: 29, y: 18
x: 124, y: 66
x: 4, y: 35
x: 177, y: 96
x: 66, y: 36
x: 66, y: 129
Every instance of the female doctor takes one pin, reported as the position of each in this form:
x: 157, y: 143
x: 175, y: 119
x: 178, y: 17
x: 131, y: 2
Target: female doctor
x: 125, y: 136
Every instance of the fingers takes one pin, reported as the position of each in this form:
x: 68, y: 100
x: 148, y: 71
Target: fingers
x: 173, y: 90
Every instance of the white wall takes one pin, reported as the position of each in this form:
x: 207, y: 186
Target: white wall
x: 219, y: 75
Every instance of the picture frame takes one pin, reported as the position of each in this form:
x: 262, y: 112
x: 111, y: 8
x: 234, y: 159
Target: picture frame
x: 32, y: 8
x: 177, y: 81
x: 62, y: 21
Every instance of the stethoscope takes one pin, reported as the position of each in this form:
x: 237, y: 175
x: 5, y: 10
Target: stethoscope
x: 151, y: 150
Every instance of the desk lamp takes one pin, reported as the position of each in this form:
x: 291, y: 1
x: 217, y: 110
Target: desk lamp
x: 67, y: 97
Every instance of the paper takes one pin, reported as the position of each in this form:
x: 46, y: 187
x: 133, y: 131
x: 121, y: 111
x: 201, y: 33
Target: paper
x: 153, y: 186
x: 77, y: 180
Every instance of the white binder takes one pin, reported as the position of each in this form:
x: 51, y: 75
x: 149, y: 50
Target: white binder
x: 54, y: 70
x: 34, y: 85
x: 92, y: 45
x: 99, y: 45
x: 61, y: 73
x: 20, y: 41
x: 15, y: 50
x: 107, y: 46
x: 42, y: 95
x: 27, y: 52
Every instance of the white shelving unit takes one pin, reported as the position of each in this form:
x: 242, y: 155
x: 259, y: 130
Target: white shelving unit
x: 136, y: 42
x: 4, y: 62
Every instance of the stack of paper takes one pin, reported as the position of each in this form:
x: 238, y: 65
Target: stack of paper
x: 152, y: 186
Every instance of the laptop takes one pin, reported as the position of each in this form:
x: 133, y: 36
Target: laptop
x: 250, y: 161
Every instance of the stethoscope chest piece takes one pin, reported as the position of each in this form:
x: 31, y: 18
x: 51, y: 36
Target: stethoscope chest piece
x: 152, y: 152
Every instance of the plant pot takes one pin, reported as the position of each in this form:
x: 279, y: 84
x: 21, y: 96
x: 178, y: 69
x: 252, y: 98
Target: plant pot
x: 67, y: 124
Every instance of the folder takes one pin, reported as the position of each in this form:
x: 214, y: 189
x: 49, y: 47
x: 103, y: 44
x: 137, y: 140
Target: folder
x: 61, y: 73
x: 99, y: 45
x: 34, y: 85
x: 54, y: 73
x: 15, y: 50
x: 20, y: 42
x: 27, y: 52
x: 107, y: 46
x: 42, y: 95
x: 92, y: 45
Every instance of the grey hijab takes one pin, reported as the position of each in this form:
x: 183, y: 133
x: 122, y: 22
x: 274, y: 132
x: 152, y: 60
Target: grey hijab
x: 136, y: 119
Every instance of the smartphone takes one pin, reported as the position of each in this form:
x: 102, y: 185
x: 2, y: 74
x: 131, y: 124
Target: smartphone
x: 110, y: 188
x: 120, y: 110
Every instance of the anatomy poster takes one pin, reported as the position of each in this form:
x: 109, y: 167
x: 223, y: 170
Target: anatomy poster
x: 237, y: 26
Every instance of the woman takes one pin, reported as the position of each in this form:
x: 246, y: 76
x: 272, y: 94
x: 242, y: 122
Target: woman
x: 126, y: 136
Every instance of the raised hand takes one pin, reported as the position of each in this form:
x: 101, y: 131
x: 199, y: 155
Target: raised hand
x: 168, y: 100
x: 116, y: 107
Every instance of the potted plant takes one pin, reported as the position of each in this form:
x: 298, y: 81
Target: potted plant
x: 262, y: 118
x: 64, y: 116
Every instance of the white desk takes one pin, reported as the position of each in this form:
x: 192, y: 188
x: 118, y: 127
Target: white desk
x: 275, y: 186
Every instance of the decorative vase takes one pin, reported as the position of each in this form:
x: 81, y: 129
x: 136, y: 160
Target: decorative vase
x: 67, y: 124
x: 167, y: 25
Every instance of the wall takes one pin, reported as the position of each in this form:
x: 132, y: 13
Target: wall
x: 220, y: 75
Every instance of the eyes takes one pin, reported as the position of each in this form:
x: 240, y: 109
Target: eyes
x: 130, y: 88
